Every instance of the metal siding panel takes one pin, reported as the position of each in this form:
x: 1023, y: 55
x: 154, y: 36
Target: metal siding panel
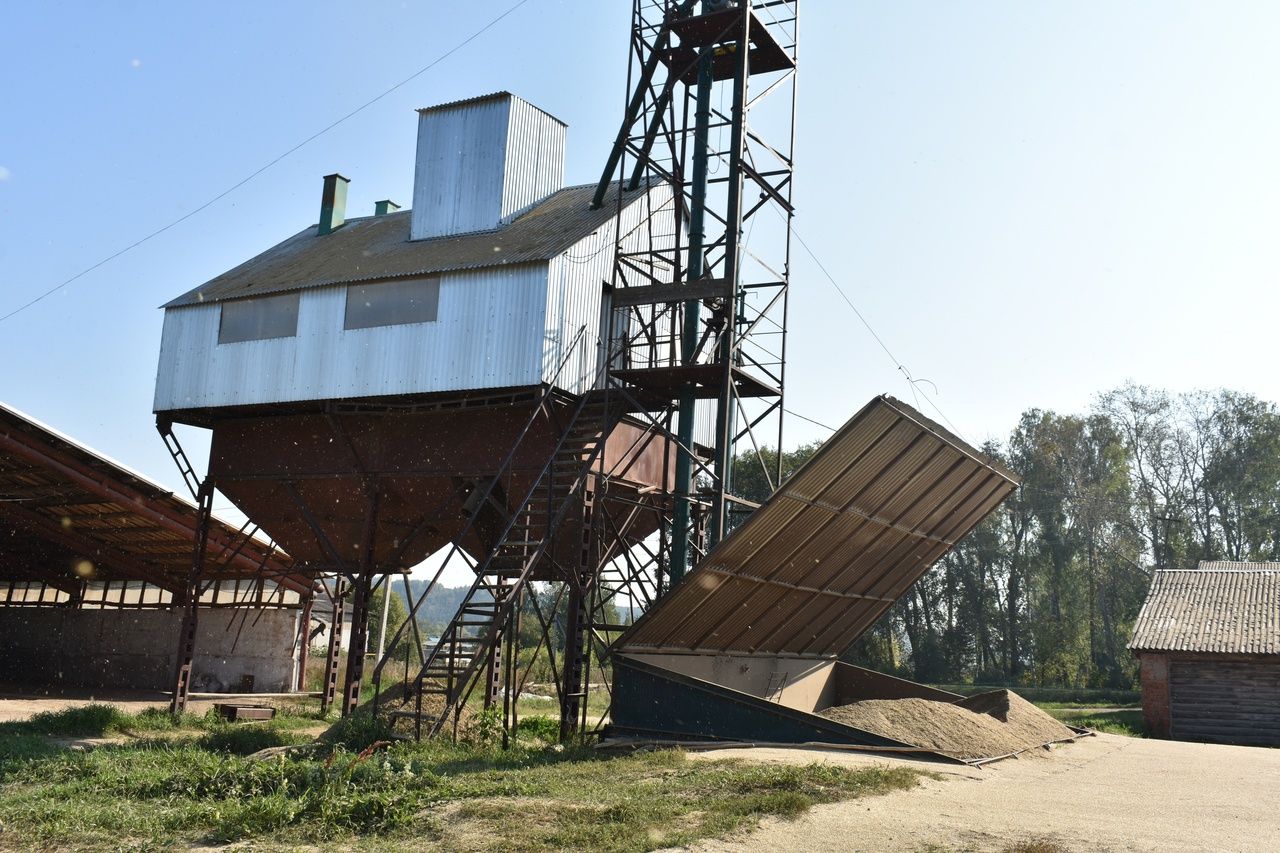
x: 575, y: 298
x: 458, y: 178
x: 487, y: 335
x: 534, y: 166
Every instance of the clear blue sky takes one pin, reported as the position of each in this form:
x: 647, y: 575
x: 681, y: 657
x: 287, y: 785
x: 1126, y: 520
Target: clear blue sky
x: 1032, y: 202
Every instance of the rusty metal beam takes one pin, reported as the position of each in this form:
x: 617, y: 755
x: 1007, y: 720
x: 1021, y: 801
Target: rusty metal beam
x: 117, y: 560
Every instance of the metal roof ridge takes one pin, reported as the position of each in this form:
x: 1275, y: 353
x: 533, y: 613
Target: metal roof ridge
x: 478, y: 99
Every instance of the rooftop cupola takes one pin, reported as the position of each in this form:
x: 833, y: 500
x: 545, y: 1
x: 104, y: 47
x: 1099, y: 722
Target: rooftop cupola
x: 481, y: 163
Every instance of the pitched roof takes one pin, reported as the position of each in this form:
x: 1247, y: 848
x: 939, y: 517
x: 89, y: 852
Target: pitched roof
x: 372, y: 248
x: 1224, y: 607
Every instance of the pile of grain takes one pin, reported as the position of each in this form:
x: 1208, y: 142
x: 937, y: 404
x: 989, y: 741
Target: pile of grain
x: 983, y: 726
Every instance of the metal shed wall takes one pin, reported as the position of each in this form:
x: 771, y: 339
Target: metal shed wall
x: 576, y: 293
x: 457, y: 184
x: 488, y: 334
x: 534, y: 165
x: 481, y: 162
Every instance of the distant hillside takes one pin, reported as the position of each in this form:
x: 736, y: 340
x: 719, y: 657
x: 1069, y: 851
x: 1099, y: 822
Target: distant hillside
x: 440, y: 605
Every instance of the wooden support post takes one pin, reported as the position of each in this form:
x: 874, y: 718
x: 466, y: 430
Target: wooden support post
x: 191, y: 602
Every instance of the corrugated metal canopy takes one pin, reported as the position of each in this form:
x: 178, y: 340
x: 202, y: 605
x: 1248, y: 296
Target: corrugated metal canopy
x: 1226, y: 608
x: 830, y: 551
x: 61, y: 502
x: 378, y: 247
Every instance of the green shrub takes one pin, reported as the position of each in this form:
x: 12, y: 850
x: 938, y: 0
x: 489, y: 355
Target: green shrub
x: 248, y: 739
x: 545, y: 729
x: 86, y: 721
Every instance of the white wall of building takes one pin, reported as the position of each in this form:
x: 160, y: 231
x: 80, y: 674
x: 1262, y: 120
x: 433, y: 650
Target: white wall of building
x: 488, y: 334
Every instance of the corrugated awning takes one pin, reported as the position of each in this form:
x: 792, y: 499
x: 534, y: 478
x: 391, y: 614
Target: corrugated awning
x: 814, y: 567
x: 61, y: 503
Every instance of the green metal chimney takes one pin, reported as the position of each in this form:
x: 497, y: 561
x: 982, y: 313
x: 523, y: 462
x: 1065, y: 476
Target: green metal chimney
x: 333, y: 204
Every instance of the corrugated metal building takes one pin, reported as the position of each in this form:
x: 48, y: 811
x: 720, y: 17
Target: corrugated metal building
x: 505, y: 264
x: 1208, y: 645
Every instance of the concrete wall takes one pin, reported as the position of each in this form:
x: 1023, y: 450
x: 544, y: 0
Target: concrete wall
x: 136, y: 648
x: 1154, y: 673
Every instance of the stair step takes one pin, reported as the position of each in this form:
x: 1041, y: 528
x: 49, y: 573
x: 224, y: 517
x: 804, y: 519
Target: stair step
x: 401, y: 715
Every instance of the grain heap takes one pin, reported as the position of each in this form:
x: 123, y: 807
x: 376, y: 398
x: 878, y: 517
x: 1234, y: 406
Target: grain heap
x: 983, y: 726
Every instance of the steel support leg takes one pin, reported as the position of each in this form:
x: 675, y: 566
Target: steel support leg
x: 360, y: 607
x: 304, y: 649
x: 329, y: 689
x: 191, y: 602
x: 359, y: 643
x: 578, y: 627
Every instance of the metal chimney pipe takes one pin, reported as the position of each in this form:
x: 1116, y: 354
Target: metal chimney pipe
x: 382, y: 208
x: 333, y: 204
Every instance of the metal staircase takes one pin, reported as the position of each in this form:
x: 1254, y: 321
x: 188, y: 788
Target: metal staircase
x: 471, y: 644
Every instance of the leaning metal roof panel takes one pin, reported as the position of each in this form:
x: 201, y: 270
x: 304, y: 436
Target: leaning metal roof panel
x: 814, y: 567
x: 372, y: 248
x: 1221, y: 607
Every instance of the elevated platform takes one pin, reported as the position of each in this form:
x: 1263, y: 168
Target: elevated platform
x: 722, y: 29
x: 666, y: 383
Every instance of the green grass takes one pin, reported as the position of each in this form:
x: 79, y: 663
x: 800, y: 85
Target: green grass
x: 1126, y: 722
x: 193, y: 784
x: 1074, y: 697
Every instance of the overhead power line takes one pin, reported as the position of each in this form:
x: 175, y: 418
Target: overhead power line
x: 135, y: 244
x: 897, y: 363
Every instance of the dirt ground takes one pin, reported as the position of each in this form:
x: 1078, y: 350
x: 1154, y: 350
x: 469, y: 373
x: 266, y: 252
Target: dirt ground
x: 19, y: 702
x: 1103, y: 793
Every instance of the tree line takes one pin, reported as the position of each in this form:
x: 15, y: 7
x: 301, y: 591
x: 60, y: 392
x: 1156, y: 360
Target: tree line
x: 1045, y: 591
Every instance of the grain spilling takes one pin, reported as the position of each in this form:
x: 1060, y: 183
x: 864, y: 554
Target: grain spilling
x: 983, y: 726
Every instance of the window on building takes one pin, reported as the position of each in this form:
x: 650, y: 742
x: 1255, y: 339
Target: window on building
x: 392, y: 303
x: 259, y: 318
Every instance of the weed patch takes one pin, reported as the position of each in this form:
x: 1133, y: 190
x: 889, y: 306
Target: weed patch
x: 177, y: 790
x: 1127, y: 722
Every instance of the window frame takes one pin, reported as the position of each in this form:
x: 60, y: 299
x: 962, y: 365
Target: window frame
x: 264, y: 302
x: 386, y: 315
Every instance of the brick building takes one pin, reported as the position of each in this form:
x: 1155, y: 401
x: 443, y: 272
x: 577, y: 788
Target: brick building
x: 1208, y: 647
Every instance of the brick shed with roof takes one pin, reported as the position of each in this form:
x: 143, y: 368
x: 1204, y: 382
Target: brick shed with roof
x: 1208, y: 646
